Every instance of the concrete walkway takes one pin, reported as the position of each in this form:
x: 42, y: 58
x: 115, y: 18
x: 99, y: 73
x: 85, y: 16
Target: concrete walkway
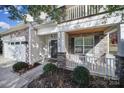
x: 9, y: 79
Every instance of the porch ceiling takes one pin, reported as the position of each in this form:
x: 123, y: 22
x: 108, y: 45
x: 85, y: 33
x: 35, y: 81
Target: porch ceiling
x: 87, y: 31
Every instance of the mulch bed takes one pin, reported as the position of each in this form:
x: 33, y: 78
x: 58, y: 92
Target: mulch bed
x: 20, y: 72
x: 63, y: 79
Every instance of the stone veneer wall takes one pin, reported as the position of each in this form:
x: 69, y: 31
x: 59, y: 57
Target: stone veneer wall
x: 23, y: 32
x: 61, y: 59
x: 120, y: 69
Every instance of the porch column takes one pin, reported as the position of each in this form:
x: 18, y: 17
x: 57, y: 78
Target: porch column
x: 120, y: 55
x: 61, y: 57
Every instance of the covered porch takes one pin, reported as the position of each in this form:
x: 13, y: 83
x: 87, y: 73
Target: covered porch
x: 45, y: 43
x: 94, y: 48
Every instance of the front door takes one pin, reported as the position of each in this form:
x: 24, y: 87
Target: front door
x: 1, y: 46
x: 54, y: 49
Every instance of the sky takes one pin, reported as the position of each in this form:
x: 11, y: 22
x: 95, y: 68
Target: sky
x: 5, y: 22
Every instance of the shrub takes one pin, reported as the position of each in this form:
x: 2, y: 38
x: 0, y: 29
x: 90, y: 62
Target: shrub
x: 49, y: 68
x: 81, y: 76
x: 19, y: 66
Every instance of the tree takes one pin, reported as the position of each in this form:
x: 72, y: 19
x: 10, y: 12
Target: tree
x: 113, y: 8
x: 19, y: 12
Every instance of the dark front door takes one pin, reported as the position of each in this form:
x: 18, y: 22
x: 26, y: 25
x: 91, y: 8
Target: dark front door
x: 54, y: 49
x: 1, y: 46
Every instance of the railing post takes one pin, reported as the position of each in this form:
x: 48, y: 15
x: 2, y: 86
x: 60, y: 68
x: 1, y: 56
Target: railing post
x: 67, y: 15
x: 110, y: 66
x: 106, y: 68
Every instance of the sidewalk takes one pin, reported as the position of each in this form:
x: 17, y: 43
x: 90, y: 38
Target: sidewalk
x: 9, y: 79
x: 32, y: 74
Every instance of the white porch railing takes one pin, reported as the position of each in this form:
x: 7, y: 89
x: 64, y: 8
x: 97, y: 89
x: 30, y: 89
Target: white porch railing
x: 79, y: 11
x: 104, y: 67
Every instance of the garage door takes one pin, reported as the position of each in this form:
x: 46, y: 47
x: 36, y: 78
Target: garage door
x: 15, y: 50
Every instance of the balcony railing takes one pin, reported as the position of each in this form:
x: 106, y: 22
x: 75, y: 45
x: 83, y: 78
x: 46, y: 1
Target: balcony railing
x: 80, y: 11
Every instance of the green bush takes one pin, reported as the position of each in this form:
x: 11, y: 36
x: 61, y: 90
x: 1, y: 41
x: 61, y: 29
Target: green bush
x: 81, y: 76
x: 49, y: 68
x: 19, y: 66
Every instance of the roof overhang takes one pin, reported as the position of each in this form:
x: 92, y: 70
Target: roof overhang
x: 14, y: 29
x: 90, y: 30
x: 49, y: 28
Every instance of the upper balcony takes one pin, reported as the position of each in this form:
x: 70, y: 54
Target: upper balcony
x: 80, y: 11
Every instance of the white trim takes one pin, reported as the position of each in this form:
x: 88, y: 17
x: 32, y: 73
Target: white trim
x: 29, y: 44
x: 49, y: 41
x: 83, y: 44
x: 49, y: 50
x: 93, y: 44
x: 111, y: 30
x: 114, y: 31
x: 108, y: 42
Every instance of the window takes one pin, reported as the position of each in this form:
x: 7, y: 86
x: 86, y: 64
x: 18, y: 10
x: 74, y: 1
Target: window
x: 78, y: 45
x: 79, y: 41
x: 71, y: 45
x: 17, y: 43
x: 12, y: 43
x: 83, y: 44
x: 24, y: 42
x: 88, y: 44
x: 113, y: 43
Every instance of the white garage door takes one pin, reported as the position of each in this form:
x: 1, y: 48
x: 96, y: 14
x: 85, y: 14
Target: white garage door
x: 15, y: 50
